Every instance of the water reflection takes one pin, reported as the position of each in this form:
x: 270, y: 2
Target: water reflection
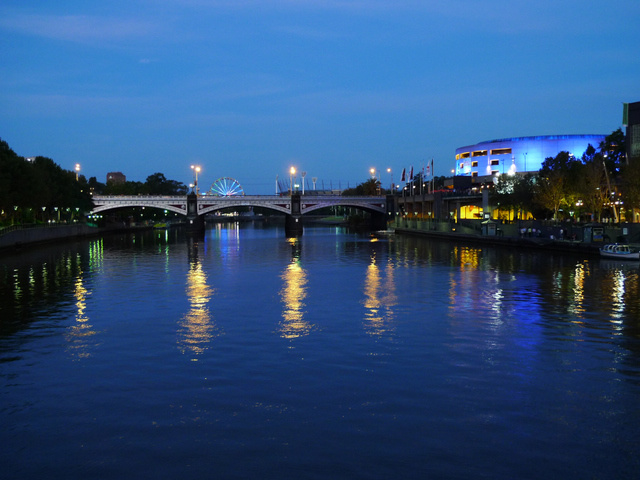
x: 196, y: 328
x: 380, y: 298
x: 79, y: 333
x: 293, y: 295
x: 620, y: 288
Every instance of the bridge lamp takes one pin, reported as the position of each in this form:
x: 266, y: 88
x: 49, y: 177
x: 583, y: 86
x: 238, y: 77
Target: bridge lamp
x: 292, y: 172
x: 77, y: 171
x: 196, y: 169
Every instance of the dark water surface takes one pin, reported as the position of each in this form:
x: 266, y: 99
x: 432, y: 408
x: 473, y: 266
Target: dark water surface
x: 248, y: 355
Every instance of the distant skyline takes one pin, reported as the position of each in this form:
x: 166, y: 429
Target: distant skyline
x: 248, y: 88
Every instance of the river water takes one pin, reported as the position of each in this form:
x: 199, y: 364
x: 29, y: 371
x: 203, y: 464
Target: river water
x: 244, y: 354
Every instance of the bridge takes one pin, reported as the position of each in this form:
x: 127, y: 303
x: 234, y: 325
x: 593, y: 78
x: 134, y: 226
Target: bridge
x: 293, y: 206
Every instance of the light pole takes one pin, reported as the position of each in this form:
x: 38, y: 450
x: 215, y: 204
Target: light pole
x: 390, y: 180
x: 292, y: 172
x: 77, y: 171
x: 196, y: 169
x: 374, y: 178
x: 303, y: 174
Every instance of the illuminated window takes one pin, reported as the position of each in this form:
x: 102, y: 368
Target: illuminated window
x: 474, y: 174
x: 464, y: 155
x: 479, y: 153
x: 495, y: 172
x: 474, y: 163
x: 495, y: 162
x: 461, y: 166
x: 500, y: 151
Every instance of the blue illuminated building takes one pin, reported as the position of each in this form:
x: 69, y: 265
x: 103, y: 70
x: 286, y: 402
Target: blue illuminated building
x: 519, y: 154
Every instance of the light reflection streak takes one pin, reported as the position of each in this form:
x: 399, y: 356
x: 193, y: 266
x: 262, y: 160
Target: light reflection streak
x: 577, y: 304
x: 293, y: 295
x: 197, y: 328
x: 379, y: 299
x: 79, y: 333
x: 617, y: 296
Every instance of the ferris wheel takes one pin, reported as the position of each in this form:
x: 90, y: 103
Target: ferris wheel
x: 225, y: 187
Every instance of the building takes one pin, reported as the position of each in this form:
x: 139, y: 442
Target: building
x: 631, y: 120
x: 519, y: 154
x: 116, y: 177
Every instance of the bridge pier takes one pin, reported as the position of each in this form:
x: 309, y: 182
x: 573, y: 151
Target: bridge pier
x: 195, y: 222
x: 293, y: 221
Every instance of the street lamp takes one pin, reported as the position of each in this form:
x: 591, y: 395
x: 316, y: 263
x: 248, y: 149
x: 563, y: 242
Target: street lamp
x: 196, y: 170
x: 77, y: 171
x: 292, y: 172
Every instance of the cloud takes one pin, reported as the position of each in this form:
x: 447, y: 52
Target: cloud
x: 75, y: 28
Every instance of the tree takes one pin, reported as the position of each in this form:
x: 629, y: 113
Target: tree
x: 593, y: 190
x: 515, y: 192
x: 370, y: 187
x: 558, y: 182
x: 33, y: 190
x: 614, y: 151
x: 550, y: 192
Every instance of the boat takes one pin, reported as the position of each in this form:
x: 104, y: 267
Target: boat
x: 619, y: 251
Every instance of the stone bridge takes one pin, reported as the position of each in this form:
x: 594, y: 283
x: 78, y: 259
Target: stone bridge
x: 294, y: 206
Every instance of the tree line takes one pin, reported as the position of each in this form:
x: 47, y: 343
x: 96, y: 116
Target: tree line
x: 38, y: 190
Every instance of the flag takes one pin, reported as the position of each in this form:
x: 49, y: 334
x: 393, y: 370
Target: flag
x: 411, y: 175
x: 403, y: 171
x: 432, y: 172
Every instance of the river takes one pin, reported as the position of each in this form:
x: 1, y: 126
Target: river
x: 245, y: 354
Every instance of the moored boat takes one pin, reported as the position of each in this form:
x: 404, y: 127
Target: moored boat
x: 619, y: 251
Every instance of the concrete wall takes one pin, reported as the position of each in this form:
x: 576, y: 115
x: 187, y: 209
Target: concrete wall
x: 27, y: 236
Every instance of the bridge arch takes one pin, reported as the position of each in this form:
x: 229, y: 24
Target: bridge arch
x: 177, y: 204
x: 213, y: 204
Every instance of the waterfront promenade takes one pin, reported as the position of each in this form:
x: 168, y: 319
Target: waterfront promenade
x: 572, y: 238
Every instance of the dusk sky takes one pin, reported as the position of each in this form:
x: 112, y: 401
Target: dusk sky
x: 248, y: 88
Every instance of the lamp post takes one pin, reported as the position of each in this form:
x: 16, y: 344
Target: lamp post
x: 77, y: 171
x: 292, y: 172
x: 196, y: 170
x: 390, y: 180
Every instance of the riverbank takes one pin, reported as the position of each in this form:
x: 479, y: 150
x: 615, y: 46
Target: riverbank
x: 19, y: 238
x: 565, y: 246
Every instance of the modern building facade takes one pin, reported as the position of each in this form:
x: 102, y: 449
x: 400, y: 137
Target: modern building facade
x: 519, y: 154
x: 631, y: 120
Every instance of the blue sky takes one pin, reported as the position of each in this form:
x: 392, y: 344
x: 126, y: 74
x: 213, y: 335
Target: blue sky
x: 248, y: 88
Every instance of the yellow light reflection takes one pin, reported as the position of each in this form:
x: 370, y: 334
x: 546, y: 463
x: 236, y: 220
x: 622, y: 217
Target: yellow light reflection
x: 79, y: 334
x: 196, y: 328
x: 576, y: 305
x: 617, y: 296
x: 293, y: 294
x: 379, y: 299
